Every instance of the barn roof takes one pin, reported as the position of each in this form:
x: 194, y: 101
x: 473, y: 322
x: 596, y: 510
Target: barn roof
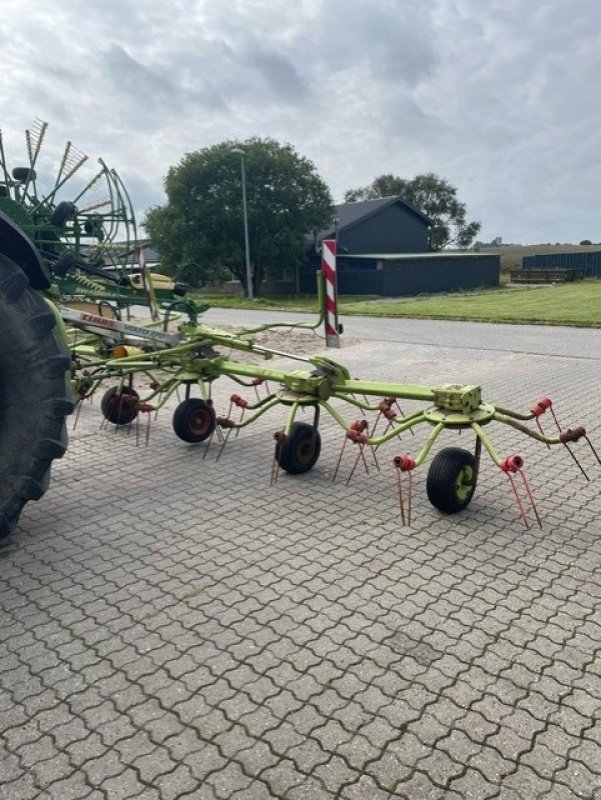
x: 349, y: 214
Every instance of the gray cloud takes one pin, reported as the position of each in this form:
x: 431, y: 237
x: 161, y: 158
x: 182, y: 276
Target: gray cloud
x: 497, y: 97
x: 147, y: 90
x: 280, y: 76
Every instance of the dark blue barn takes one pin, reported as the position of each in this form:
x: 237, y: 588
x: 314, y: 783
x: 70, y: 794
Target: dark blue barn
x: 384, y: 249
x: 386, y: 225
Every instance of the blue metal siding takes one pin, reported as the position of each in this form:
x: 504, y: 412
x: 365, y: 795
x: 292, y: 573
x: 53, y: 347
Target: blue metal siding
x: 408, y: 276
x: 589, y: 263
x: 361, y: 282
x: 392, y: 230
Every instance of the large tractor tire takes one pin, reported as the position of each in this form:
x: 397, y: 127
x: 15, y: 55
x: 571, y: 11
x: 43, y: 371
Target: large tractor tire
x: 34, y: 394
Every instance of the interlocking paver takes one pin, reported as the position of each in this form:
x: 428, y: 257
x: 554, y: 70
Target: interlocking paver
x: 82, y: 750
x: 493, y: 766
x: 152, y: 766
x: 126, y: 784
x: 560, y: 791
x: 527, y: 783
x: 440, y: 767
x: 364, y: 787
x: 309, y: 789
x: 474, y: 785
x: 579, y: 778
x: 227, y: 639
x: 24, y: 788
x: 103, y: 768
x: 115, y: 730
x: 10, y: 767
x: 419, y: 787
x: 542, y: 759
x: 282, y: 777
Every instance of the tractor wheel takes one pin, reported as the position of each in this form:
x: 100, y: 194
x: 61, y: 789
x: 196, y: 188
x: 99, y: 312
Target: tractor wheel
x: 194, y: 420
x: 35, y: 396
x: 119, y: 405
x: 451, y: 481
x: 299, y: 452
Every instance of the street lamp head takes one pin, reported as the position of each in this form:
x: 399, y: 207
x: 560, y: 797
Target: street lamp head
x: 238, y: 151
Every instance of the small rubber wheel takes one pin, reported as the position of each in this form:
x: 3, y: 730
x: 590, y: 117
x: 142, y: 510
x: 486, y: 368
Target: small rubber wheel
x: 23, y: 174
x: 93, y: 226
x: 194, y: 420
x: 65, y: 263
x: 451, y: 481
x: 61, y: 213
x: 119, y: 405
x: 299, y: 452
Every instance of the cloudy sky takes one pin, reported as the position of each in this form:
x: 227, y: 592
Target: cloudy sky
x: 500, y: 97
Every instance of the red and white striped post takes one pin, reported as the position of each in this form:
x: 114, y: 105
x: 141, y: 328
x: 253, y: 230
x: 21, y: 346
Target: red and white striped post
x: 328, y: 266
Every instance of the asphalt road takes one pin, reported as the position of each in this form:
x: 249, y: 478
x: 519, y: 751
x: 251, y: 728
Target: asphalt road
x: 528, y: 339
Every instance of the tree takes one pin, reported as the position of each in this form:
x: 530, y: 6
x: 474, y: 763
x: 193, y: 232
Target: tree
x: 434, y: 197
x: 202, y: 223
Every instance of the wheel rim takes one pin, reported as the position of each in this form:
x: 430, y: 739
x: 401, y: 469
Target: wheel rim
x: 120, y: 406
x: 306, y: 450
x: 199, y: 422
x: 464, y: 485
x: 298, y: 452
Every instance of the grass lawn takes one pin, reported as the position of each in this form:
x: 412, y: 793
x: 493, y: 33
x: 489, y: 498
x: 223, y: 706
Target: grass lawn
x: 567, y: 304
x: 576, y: 303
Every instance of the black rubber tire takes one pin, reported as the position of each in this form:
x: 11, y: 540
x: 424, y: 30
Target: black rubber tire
x: 23, y: 174
x: 35, y: 396
x: 119, y: 405
x: 65, y: 263
x: 93, y: 226
x: 299, y: 452
x: 61, y: 213
x: 451, y: 481
x: 194, y: 420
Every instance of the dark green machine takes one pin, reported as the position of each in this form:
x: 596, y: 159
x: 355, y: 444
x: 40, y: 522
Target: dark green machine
x: 83, y: 225
x: 70, y: 238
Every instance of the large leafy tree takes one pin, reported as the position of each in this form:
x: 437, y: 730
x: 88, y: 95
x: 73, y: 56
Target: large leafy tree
x: 200, y: 231
x: 434, y: 197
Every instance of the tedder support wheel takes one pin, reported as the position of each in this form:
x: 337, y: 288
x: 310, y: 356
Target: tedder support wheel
x: 35, y: 396
x: 194, y: 420
x: 451, y: 481
x: 299, y: 452
x: 119, y: 405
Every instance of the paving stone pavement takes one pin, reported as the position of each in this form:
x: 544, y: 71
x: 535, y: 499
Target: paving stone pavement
x: 173, y: 626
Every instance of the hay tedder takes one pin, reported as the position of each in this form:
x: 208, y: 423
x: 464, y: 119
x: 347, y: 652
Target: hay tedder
x: 53, y: 356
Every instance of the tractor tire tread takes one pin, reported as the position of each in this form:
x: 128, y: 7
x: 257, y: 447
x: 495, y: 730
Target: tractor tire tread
x: 35, y: 396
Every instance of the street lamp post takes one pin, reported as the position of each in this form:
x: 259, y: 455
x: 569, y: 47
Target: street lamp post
x: 249, y: 283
